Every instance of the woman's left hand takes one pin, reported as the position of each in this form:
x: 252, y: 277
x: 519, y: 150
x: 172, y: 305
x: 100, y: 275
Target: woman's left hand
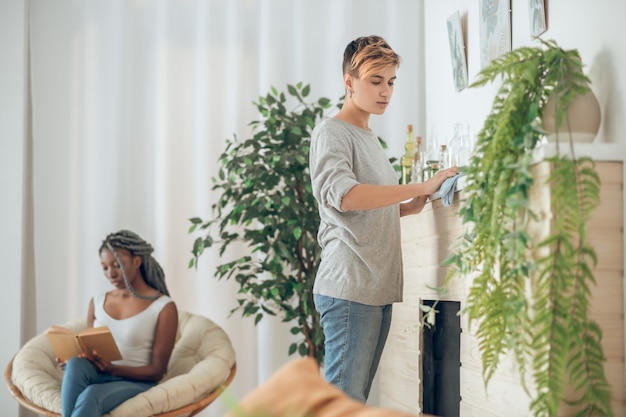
x: 102, y: 365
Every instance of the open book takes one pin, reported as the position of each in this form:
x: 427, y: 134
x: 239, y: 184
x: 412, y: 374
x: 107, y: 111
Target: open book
x: 67, y: 344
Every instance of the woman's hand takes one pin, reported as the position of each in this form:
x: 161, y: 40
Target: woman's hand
x: 416, y: 204
x: 61, y: 363
x: 434, y: 182
x: 102, y: 365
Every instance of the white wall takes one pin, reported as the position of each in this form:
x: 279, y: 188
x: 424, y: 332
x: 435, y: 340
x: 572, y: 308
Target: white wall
x: 14, y: 200
x: 591, y: 27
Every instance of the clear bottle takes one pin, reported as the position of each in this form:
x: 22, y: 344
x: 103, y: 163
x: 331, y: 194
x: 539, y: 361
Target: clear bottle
x: 406, y: 162
x: 444, y: 157
x: 455, y: 145
x: 467, y: 147
x: 431, y: 157
x: 431, y: 149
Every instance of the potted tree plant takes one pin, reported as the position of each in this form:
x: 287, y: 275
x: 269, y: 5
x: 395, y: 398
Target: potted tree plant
x: 266, y: 201
x: 526, y: 301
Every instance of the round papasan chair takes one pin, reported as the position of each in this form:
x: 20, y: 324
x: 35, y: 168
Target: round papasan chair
x: 202, y: 365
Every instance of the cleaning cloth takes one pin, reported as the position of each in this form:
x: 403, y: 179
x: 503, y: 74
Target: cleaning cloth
x: 447, y: 189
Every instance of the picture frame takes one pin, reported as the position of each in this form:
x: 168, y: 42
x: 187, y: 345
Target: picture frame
x: 495, y: 29
x: 537, y: 18
x: 457, y: 51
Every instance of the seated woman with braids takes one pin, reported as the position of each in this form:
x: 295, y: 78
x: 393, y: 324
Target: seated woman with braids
x: 143, y: 320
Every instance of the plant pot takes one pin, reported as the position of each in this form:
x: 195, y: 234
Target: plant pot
x: 584, y: 117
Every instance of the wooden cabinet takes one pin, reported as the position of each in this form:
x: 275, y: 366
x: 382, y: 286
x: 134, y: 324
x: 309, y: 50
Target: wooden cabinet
x: 427, y: 239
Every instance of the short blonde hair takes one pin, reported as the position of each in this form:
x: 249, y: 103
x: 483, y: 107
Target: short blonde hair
x: 368, y: 54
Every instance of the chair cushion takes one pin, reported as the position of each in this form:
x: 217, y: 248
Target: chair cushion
x: 200, y: 362
x: 298, y: 390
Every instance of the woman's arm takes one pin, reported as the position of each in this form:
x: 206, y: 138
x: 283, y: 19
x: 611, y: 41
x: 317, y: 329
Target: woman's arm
x: 368, y: 196
x: 164, y: 338
x: 414, y: 206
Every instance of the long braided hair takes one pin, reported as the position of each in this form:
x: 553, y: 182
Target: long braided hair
x: 150, y: 269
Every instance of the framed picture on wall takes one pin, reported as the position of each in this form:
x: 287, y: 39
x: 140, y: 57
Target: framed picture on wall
x: 537, y: 17
x: 495, y: 29
x: 457, y: 51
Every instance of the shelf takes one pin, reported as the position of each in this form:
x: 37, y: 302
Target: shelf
x: 608, y: 152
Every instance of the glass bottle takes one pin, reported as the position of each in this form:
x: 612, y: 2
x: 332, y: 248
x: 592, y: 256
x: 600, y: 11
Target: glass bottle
x: 444, y: 157
x: 416, y: 172
x: 455, y: 145
x: 431, y: 157
x: 430, y: 169
x: 406, y: 162
x: 465, y: 150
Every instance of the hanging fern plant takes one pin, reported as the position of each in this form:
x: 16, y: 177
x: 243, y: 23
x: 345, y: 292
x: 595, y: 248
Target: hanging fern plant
x: 525, y: 300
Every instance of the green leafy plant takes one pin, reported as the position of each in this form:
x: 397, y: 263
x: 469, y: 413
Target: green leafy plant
x: 266, y: 201
x: 530, y: 297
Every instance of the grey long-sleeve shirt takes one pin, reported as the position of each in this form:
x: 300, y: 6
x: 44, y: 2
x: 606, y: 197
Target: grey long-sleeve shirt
x: 361, y: 249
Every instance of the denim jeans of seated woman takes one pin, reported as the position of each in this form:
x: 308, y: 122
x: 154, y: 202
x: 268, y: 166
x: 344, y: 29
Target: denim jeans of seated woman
x: 355, y: 337
x: 85, y: 392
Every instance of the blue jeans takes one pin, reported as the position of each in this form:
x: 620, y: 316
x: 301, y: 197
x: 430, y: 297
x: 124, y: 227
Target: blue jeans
x: 355, y: 337
x: 85, y: 392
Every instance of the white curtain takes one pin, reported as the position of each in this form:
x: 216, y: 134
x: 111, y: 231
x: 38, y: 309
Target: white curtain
x: 131, y: 102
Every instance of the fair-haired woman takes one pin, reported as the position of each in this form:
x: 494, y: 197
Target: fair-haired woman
x: 360, y: 204
x: 143, y: 320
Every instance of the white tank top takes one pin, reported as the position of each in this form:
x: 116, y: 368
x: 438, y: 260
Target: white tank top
x: 134, y: 335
